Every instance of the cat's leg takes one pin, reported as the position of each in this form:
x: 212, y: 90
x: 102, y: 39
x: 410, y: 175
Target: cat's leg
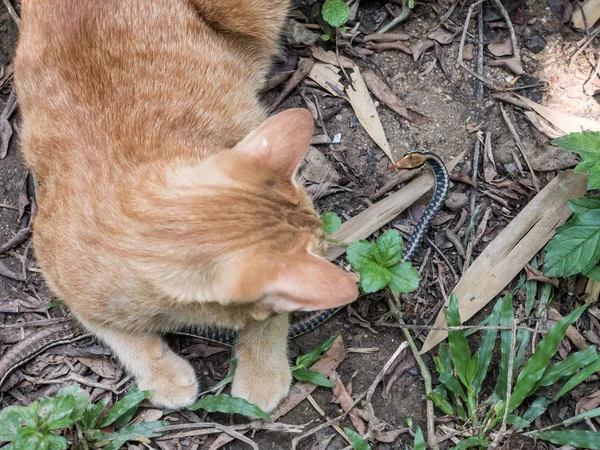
x: 262, y: 375
x: 256, y: 20
x: 154, y: 365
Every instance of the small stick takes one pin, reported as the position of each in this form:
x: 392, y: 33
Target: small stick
x: 584, y: 46
x: 479, y: 98
x: 12, y: 12
x: 511, y: 30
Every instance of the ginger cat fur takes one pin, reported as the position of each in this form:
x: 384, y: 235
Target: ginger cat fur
x: 166, y: 198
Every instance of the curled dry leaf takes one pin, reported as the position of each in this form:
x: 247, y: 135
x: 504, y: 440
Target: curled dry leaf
x: 421, y: 47
x: 383, y: 46
x: 389, y: 436
x: 587, y: 403
x: 468, y: 52
x: 204, y: 349
x: 345, y: 400
x: 501, y: 48
x: 534, y: 274
x: 441, y: 35
x: 298, y: 35
x: 317, y: 168
x: 102, y: 367
x: 6, y: 132
x: 407, y: 363
x: 512, y: 64
x: 386, y: 37
x: 489, y: 164
x: 385, y: 95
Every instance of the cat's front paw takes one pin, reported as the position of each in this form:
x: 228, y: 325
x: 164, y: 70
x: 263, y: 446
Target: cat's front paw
x: 264, y: 387
x: 173, y: 381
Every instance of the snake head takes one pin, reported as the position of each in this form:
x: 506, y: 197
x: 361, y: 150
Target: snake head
x: 410, y: 161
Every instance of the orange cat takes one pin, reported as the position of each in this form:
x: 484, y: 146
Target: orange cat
x: 163, y: 201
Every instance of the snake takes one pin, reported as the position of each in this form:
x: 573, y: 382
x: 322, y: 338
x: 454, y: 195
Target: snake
x: 72, y: 331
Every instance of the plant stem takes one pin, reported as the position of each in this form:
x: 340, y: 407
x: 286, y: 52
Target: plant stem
x: 392, y: 302
x: 401, y: 18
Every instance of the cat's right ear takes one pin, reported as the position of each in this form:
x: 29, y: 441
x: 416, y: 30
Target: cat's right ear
x: 281, y: 142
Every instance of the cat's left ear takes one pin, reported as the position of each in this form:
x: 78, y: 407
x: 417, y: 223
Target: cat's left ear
x: 281, y: 142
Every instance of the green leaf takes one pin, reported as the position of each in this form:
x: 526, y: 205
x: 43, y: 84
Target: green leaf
x: 531, y: 289
x: 461, y: 355
x: 141, y: 432
x: 506, y: 320
x: 10, y: 422
x: 92, y: 414
x: 331, y: 222
x: 523, y: 339
x: 472, y: 369
x: 80, y: 397
x: 578, y: 378
x: 587, y: 144
x: 419, y: 440
x: 373, y: 277
x: 325, y: 37
x: 594, y: 274
x: 538, y: 363
x: 335, y: 12
x: 441, y: 401
x: 56, y: 412
x: 487, y: 347
x: 358, y: 253
x: 574, y: 438
x: 516, y: 421
x: 583, y: 204
x: 313, y: 377
x: 226, y: 404
x: 357, y: 441
x: 544, y: 298
x: 314, y: 355
x: 131, y: 400
x: 537, y: 408
x: 569, y: 366
x: 405, y: 278
x: 474, y: 441
x: 575, y: 247
x: 388, y: 248
x: 445, y: 359
x: 453, y: 385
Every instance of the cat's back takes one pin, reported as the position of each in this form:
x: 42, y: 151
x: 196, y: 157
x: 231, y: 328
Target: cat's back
x: 114, y: 83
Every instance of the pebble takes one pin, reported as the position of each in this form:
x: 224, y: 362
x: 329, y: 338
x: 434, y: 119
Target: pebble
x: 535, y: 43
x: 456, y: 200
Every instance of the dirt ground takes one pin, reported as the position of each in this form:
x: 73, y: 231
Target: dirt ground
x: 451, y: 103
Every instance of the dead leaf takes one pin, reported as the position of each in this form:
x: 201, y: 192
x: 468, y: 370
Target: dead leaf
x: 6, y: 132
x: 304, y: 67
x: 102, y: 367
x: 23, y: 197
x: 383, y: 46
x: 149, y: 415
x: 534, y: 274
x: 330, y: 57
x: 421, y: 47
x: 298, y: 35
x: 468, y: 52
x: 317, y: 168
x: 549, y: 157
x: 345, y: 400
x: 591, y: 9
x: 356, y: 319
x: 512, y: 249
x: 407, y: 363
x: 587, y: 403
x: 275, y: 80
x: 501, y: 48
x: 512, y: 64
x: 299, y: 391
x: 441, y: 35
x: 386, y: 37
x: 385, y: 95
x: 561, y: 9
x: 204, y: 349
x: 389, y: 436
x: 542, y: 125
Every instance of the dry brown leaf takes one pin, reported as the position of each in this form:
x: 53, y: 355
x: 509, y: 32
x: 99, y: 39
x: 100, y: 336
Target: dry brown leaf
x: 298, y: 35
x: 383, y: 46
x: 386, y: 37
x: 572, y: 334
x: 489, y: 165
x: 421, y: 47
x: 317, y: 168
x: 204, y: 349
x: 501, y: 48
x: 407, y: 363
x: 542, y: 125
x: 441, y: 35
x: 345, y: 400
x: 149, y: 415
x: 512, y: 64
x: 304, y: 67
x: 275, y: 80
x: 587, y: 403
x: 6, y: 132
x: 591, y: 9
x: 468, y: 52
x: 389, y: 436
x: 512, y: 249
x: 385, y: 95
x: 299, y: 391
x: 330, y: 57
x: 102, y: 367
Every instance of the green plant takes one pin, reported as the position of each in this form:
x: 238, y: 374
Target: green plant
x: 379, y: 264
x: 36, y: 426
x: 300, y: 371
x: 357, y: 441
x: 461, y: 377
x: 331, y: 222
x: 335, y: 12
x: 576, y: 246
x: 227, y: 404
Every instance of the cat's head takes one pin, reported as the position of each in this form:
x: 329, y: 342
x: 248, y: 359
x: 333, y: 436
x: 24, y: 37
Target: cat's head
x: 260, y: 228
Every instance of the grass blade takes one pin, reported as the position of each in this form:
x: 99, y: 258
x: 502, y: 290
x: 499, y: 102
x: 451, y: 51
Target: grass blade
x: 453, y: 385
x: 574, y: 438
x: 226, y: 404
x: 537, y: 408
x: 487, y: 347
x: 357, y: 441
x: 461, y: 355
x: 314, y: 355
x: 579, y: 377
x: 545, y: 296
x: 419, y: 440
x: 313, y: 377
x: 474, y: 441
x: 506, y: 320
x: 538, y: 363
x: 523, y: 340
x: 568, y: 366
x: 131, y: 400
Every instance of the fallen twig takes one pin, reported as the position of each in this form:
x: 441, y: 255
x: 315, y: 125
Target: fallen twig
x: 11, y: 11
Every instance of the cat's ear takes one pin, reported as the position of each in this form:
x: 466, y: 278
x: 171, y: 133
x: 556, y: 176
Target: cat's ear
x: 307, y: 282
x: 281, y: 142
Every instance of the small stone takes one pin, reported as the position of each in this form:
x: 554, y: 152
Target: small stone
x: 535, y: 43
x: 456, y: 200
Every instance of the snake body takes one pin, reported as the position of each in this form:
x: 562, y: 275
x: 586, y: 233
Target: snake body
x: 72, y: 331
